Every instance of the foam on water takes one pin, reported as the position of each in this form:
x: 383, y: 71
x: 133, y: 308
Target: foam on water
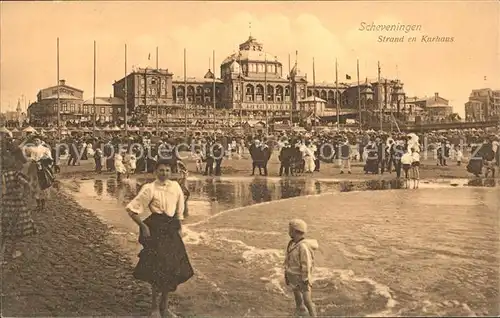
x: 274, y: 282
x: 268, y: 261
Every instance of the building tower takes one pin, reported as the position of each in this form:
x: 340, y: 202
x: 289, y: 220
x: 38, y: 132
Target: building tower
x: 19, y: 113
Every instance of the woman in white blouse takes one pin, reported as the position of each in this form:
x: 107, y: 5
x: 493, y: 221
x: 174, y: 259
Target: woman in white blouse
x: 163, y: 261
x: 39, y: 170
x: 119, y: 165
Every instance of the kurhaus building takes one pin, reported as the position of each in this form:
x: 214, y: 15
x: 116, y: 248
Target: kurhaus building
x: 252, y: 86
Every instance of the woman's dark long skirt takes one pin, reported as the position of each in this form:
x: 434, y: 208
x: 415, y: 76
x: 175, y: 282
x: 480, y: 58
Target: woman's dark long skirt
x: 163, y: 261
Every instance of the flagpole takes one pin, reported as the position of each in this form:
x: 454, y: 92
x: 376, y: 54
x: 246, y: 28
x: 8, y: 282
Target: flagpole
x: 296, y: 95
x: 242, y: 89
x: 290, y: 90
x: 213, y: 84
x: 378, y: 97
x: 158, y: 88
x: 265, y: 94
x: 93, y: 99
x: 58, y: 95
x: 314, y: 94
x: 205, y: 106
x: 337, y: 94
x: 185, y: 97
x: 359, y: 97
x: 126, y: 93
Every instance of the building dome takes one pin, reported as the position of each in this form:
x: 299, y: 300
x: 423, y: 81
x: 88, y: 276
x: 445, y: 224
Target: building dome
x: 251, y: 51
x: 235, y: 67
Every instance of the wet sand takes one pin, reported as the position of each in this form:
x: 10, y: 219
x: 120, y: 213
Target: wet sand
x: 71, y: 268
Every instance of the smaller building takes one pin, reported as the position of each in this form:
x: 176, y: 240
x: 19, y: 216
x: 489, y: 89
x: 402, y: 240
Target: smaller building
x: 312, y: 105
x: 107, y: 110
x: 44, y: 111
x: 434, y: 109
x: 483, y: 105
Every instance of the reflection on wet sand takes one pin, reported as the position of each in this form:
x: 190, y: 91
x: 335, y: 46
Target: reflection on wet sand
x: 239, y: 193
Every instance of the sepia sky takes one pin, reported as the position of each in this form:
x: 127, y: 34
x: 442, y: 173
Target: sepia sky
x: 323, y: 30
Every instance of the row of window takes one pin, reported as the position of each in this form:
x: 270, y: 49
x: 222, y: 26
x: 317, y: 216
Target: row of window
x: 191, y: 90
x: 261, y: 68
x: 263, y: 107
x: 198, y: 99
x: 260, y: 98
x: 153, y: 91
x: 85, y: 109
x: 153, y: 81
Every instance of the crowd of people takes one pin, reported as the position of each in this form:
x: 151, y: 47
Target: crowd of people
x: 298, y: 153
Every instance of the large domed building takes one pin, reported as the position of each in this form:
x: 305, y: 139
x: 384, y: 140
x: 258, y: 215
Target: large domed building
x: 253, y: 82
x: 252, y: 86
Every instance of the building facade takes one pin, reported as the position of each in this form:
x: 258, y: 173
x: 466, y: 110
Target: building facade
x: 252, y: 86
x: 73, y: 109
x: 432, y: 109
x: 44, y: 111
x: 483, y: 105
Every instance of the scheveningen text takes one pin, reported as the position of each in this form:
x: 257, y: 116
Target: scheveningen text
x: 370, y: 27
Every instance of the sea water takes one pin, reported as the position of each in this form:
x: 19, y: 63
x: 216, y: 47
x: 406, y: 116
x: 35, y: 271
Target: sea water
x: 431, y: 251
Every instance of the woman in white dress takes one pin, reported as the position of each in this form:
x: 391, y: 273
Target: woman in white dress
x: 119, y: 166
x: 308, y: 155
x: 39, y: 171
x: 163, y: 261
x: 130, y: 162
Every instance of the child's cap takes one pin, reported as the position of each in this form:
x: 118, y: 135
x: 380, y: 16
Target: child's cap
x: 298, y: 225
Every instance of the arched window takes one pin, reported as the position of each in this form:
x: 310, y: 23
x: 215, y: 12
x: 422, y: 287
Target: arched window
x: 190, y: 93
x: 302, y: 93
x: 279, y: 93
x: 180, y: 94
x: 259, y: 93
x: 331, y: 97
x: 270, y: 93
x: 249, y: 93
x: 323, y: 95
x: 287, y: 93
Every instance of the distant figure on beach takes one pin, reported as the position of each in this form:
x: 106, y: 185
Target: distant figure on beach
x: 163, y: 261
x: 299, y: 263
x: 130, y: 162
x: 119, y: 165
x: 415, y: 167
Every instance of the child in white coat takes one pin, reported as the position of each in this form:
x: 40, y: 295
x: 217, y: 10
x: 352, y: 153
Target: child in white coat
x: 299, y: 263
